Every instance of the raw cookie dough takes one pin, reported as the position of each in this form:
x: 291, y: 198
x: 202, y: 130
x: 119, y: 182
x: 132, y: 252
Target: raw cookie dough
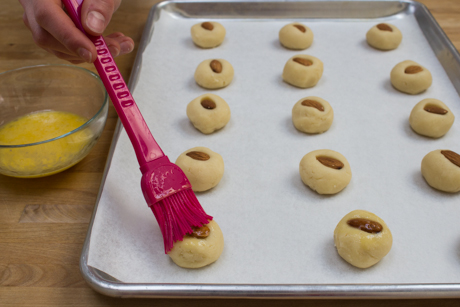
x: 198, y: 250
x: 214, y: 73
x: 208, y: 34
x: 410, y: 77
x: 431, y: 117
x: 362, y: 238
x: 384, y: 36
x: 325, y: 171
x: 441, y: 169
x: 303, y: 71
x: 208, y: 113
x: 296, y: 36
x: 203, y: 167
x: 312, y: 115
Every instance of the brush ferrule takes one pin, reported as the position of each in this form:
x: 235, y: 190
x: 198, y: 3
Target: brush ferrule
x: 152, y: 164
x: 161, y: 178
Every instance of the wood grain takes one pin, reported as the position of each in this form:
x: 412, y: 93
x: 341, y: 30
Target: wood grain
x: 40, y: 275
x: 80, y: 213
x: 43, y: 222
x: 40, y: 253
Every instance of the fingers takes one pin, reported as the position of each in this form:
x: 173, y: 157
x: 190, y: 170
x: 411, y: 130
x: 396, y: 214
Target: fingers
x: 44, y: 39
x: 119, y: 44
x: 25, y: 20
x: 65, y: 56
x: 55, y: 32
x: 53, y: 20
x: 96, y: 15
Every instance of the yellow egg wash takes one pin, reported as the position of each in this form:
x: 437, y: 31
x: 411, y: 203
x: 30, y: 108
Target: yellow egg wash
x: 47, y: 158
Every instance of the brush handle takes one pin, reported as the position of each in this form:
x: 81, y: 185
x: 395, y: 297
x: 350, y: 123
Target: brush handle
x: 144, y: 144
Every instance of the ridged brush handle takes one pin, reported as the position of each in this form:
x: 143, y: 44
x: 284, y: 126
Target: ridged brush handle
x: 144, y: 144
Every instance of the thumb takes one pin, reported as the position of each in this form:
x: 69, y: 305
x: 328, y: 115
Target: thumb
x: 96, y: 15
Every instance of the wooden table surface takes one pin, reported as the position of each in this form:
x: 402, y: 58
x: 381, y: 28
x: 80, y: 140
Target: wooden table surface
x: 43, y: 222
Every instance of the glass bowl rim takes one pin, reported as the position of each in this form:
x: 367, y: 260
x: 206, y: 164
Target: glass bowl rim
x: 106, y: 99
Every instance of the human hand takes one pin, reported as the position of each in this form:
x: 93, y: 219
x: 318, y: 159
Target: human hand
x: 53, y: 30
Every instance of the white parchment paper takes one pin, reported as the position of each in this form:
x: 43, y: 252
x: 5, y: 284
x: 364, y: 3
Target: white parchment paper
x: 276, y: 229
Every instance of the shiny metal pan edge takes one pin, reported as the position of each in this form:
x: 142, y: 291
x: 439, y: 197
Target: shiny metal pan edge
x: 445, y: 52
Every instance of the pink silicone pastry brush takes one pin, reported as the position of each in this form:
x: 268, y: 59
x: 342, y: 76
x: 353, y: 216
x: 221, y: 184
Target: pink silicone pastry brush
x: 165, y: 187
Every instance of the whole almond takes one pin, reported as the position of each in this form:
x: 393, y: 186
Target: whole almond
x: 208, y: 104
x: 216, y: 66
x: 301, y: 28
x: 452, y: 156
x: 431, y: 108
x: 365, y: 225
x: 313, y: 103
x: 330, y: 162
x: 207, y: 26
x: 413, y: 69
x: 302, y: 61
x: 198, y: 155
x: 384, y: 27
x: 200, y: 232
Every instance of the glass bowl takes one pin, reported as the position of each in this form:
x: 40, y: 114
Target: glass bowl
x: 50, y: 118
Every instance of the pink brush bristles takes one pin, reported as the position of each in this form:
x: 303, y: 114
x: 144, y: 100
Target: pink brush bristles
x: 165, y: 187
x: 175, y: 213
x: 169, y: 194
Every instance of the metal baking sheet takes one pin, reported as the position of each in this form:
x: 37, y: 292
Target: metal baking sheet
x: 347, y: 11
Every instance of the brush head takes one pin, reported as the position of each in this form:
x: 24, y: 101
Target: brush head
x: 177, y: 214
x: 169, y: 194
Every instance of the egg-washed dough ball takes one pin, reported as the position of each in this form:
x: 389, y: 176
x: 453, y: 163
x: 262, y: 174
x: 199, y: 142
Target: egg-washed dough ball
x: 410, y: 77
x: 362, y: 238
x: 214, y: 73
x: 431, y: 117
x: 203, y: 167
x: 303, y: 71
x: 441, y: 169
x: 325, y: 171
x: 203, y: 247
x: 208, y: 34
x: 384, y: 36
x: 296, y: 36
x: 312, y: 115
x: 208, y: 113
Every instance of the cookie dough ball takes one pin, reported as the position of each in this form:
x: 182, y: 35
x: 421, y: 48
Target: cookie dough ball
x: 312, y: 115
x: 325, y: 171
x: 203, y: 167
x: 208, y: 113
x: 296, y: 36
x: 214, y: 73
x: 410, y: 77
x: 200, y: 248
x: 362, y: 238
x: 384, y: 36
x: 431, y: 117
x: 441, y: 169
x: 208, y: 34
x: 303, y: 71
